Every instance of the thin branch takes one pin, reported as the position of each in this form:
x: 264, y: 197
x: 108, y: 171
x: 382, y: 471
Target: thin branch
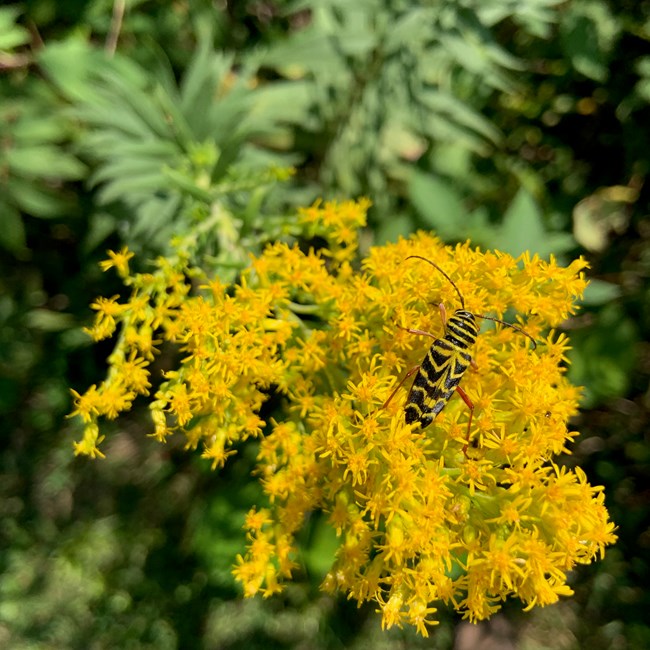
x: 12, y: 61
x: 116, y: 25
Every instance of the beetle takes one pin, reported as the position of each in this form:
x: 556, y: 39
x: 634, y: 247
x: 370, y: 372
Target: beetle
x: 445, y: 363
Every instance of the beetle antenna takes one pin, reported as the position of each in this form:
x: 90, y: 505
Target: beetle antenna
x: 462, y: 301
x: 514, y: 327
x: 453, y: 284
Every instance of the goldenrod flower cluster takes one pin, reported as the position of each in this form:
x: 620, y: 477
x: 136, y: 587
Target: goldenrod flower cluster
x: 419, y: 521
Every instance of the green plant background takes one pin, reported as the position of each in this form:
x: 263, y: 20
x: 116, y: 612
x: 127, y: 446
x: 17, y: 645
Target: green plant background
x: 519, y: 124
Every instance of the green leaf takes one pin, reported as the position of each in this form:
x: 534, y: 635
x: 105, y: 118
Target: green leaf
x: 284, y: 102
x: 38, y: 129
x: 66, y: 64
x: 473, y: 55
x: 110, y: 145
x: 70, y: 63
x: 391, y: 230
x: 113, y: 114
x: 206, y: 72
x: 438, y: 204
x: 180, y: 130
x: 136, y: 104
x: 36, y: 199
x: 523, y: 229
x: 460, y: 113
x: 604, y: 355
x: 599, y: 292
x: 411, y: 27
x: 643, y: 70
x: 155, y: 221
x: 309, y: 50
x: 137, y: 186
x: 131, y: 168
x: 320, y: 553
x: 44, y: 161
x: 48, y: 320
x: 537, y: 16
x: 11, y: 35
x: 186, y: 184
x: 12, y: 229
x: 101, y: 226
x: 588, y: 33
x: 355, y: 30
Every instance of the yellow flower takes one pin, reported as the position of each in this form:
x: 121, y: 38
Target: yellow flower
x: 217, y: 453
x: 119, y: 261
x: 465, y: 514
x: 88, y: 445
x: 88, y: 405
x: 134, y: 371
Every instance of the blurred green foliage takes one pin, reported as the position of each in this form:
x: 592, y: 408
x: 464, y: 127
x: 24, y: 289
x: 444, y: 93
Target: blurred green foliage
x: 519, y: 124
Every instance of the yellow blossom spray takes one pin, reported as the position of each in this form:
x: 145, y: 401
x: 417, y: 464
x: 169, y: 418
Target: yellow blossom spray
x: 420, y: 522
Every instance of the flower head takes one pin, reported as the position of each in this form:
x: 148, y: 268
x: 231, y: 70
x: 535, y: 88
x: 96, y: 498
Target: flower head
x: 423, y: 516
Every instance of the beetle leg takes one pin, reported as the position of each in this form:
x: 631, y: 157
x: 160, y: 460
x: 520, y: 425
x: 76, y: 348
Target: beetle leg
x: 406, y: 376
